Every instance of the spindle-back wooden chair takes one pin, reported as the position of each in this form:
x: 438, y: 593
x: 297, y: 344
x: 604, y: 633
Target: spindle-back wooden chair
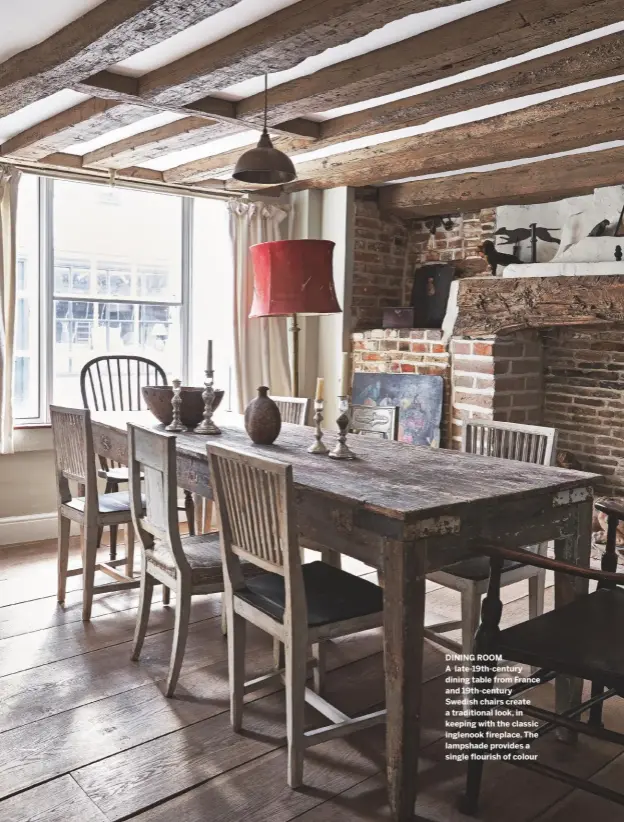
x: 581, y: 639
x: 113, y: 382
x: 75, y: 462
x: 297, y: 604
x: 505, y: 440
x: 293, y: 409
x: 188, y: 565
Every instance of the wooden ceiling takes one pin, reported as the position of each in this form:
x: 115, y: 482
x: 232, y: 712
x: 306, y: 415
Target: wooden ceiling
x: 397, y: 68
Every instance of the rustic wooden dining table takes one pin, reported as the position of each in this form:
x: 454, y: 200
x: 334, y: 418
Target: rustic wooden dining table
x: 405, y: 510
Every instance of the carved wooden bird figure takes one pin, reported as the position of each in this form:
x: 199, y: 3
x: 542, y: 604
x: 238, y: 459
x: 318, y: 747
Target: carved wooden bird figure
x: 495, y: 257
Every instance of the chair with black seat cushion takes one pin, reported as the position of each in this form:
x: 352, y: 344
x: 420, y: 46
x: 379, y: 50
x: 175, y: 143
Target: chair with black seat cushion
x: 581, y: 639
x: 75, y: 462
x: 113, y: 382
x: 188, y: 565
x: 504, y: 440
x: 300, y: 605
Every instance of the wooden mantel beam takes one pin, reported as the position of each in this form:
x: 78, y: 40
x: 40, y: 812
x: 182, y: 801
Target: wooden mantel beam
x: 112, y: 31
x: 485, y: 37
x: 542, y: 181
x: 483, y: 306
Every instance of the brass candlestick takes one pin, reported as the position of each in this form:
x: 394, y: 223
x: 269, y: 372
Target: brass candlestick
x: 319, y: 446
x: 207, y: 426
x: 176, y: 402
x: 341, y: 451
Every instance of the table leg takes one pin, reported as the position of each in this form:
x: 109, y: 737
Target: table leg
x: 404, y: 617
x: 576, y: 550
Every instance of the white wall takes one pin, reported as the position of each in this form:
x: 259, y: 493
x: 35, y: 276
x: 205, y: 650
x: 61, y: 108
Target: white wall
x: 603, y: 203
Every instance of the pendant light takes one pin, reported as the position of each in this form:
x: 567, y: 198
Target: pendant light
x: 264, y: 164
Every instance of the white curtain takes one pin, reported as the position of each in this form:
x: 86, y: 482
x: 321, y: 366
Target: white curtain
x: 9, y: 179
x: 260, y: 345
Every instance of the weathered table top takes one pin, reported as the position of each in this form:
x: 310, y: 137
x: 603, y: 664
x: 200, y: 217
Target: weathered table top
x: 397, y: 479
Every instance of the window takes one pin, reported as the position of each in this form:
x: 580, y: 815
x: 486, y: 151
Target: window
x: 105, y: 270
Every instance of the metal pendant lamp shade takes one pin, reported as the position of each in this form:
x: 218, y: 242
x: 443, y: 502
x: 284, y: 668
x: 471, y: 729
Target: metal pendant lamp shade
x: 264, y: 164
x: 293, y: 277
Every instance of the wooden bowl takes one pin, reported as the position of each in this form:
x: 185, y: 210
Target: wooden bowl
x: 158, y: 400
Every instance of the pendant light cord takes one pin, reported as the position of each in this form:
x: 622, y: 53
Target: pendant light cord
x: 266, y: 99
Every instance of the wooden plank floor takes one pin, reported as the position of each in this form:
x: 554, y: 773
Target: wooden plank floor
x: 87, y: 736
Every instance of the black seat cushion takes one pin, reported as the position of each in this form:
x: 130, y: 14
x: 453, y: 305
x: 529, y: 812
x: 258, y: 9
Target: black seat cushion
x: 332, y: 594
x: 583, y: 638
x: 476, y: 568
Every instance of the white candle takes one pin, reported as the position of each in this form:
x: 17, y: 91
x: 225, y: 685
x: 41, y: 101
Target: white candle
x: 320, y: 384
x: 209, y: 362
x: 345, y: 381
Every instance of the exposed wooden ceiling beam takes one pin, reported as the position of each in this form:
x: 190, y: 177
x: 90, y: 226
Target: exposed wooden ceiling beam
x: 109, y: 86
x: 208, y: 167
x: 563, y: 124
x: 112, y: 31
x: 588, y: 117
x: 541, y: 181
x: 148, y: 145
x: 485, y: 37
x: 599, y: 58
x: 274, y: 43
x: 77, y: 124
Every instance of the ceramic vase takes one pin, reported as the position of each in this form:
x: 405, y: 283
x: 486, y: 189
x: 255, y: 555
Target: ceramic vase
x: 263, y: 420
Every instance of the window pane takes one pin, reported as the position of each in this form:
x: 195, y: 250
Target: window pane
x: 113, y: 242
x: 26, y: 364
x: 85, y: 330
x: 212, y: 296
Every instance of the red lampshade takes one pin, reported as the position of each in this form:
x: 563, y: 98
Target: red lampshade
x: 293, y: 277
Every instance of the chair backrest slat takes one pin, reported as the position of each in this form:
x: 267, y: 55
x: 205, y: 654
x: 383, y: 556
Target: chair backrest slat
x: 508, y: 440
x: 293, y: 409
x: 254, y: 500
x: 152, y: 455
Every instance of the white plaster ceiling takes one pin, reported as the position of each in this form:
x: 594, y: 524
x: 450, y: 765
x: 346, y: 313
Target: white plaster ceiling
x: 24, y: 23
x: 36, y: 112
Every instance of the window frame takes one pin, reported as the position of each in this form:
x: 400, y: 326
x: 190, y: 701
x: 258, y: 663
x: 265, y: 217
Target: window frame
x: 45, y: 362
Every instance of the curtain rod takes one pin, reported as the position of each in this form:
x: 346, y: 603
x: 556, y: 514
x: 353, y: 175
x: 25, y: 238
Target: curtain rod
x: 136, y: 184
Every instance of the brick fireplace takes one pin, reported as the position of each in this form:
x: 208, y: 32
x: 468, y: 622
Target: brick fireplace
x: 571, y: 378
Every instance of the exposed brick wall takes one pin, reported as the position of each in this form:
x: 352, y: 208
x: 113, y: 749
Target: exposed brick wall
x: 584, y: 399
x: 406, y: 351
x: 388, y: 249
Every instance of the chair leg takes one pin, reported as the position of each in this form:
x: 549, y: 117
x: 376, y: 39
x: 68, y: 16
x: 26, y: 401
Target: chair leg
x: 64, y: 525
x: 129, y: 549
x: 470, y: 615
x: 107, y: 490
x: 223, y: 616
x: 236, y: 637
x: 296, y: 672
x: 319, y: 653
x: 112, y: 488
x: 113, y: 541
x: 145, y: 602
x: 595, y: 712
x: 166, y: 595
x: 189, y: 508
x: 279, y: 660
x: 180, y: 633
x: 537, y: 585
x: 89, y: 559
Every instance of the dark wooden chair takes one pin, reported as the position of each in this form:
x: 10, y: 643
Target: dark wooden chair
x: 581, y: 639
x: 113, y: 382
